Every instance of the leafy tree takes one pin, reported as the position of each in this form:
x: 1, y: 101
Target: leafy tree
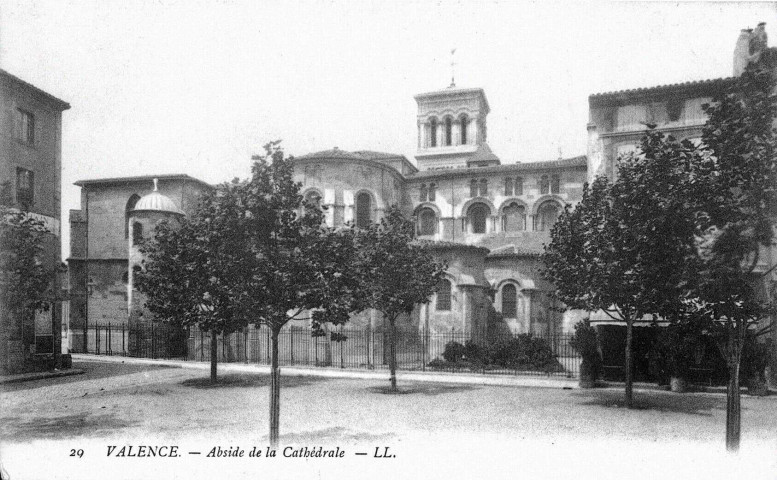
x: 627, y: 247
x: 399, y: 272
x: 194, y: 268
x: 736, y: 218
x: 296, y: 265
x: 25, y: 281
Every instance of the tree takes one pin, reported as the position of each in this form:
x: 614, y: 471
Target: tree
x: 295, y: 264
x: 194, y: 268
x: 736, y: 217
x: 25, y: 281
x: 627, y: 247
x: 400, y: 273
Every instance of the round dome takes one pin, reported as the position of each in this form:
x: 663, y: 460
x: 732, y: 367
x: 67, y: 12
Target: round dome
x: 156, y: 202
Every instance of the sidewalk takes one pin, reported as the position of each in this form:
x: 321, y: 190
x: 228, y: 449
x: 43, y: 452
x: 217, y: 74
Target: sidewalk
x: 300, y: 371
x: 26, y: 377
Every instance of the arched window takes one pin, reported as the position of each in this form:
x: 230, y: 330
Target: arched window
x: 432, y: 191
x: 448, y: 131
x: 555, y: 184
x: 514, y: 219
x: 483, y: 187
x: 509, y: 301
x: 427, y: 222
x: 547, y: 215
x: 137, y: 233
x: 363, y: 210
x: 424, y: 193
x: 544, y: 184
x: 464, y: 122
x: 477, y: 214
x: 130, y: 205
x: 518, y: 190
x: 444, y: 295
x: 508, y: 186
x: 433, y: 132
x: 473, y: 188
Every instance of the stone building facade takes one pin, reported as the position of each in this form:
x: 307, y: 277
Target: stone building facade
x: 103, y: 235
x: 30, y: 180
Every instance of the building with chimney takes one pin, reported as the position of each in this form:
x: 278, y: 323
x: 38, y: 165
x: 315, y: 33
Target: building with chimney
x: 30, y: 172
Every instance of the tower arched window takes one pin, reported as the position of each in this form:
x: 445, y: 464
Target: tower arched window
x: 448, y: 131
x: 137, y: 233
x: 464, y: 122
x: 514, y: 219
x: 509, y: 301
x: 443, y: 303
x: 424, y: 193
x: 508, y: 186
x: 483, y: 190
x: 547, y: 215
x: 432, y: 192
x: 478, y: 215
x: 544, y: 184
x: 473, y: 188
x: 433, y: 132
x: 518, y: 186
x: 127, y: 209
x: 427, y: 222
x: 363, y: 210
x: 555, y: 184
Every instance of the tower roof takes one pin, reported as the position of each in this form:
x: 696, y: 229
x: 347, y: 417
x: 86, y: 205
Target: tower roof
x: 156, y: 202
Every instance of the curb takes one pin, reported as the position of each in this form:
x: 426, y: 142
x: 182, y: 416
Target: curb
x: 29, y: 377
x: 437, y: 377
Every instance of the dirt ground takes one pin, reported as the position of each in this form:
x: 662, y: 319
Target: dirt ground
x: 440, y: 427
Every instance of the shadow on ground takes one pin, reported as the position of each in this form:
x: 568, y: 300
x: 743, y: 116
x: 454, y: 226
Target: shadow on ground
x: 250, y: 381
x: 75, y: 425
x: 92, y: 371
x: 662, y: 402
x: 430, y: 389
x: 334, y: 436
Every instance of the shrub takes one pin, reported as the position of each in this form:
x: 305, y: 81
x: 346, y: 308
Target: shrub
x: 755, y: 358
x: 586, y: 343
x: 521, y: 352
x: 454, y: 352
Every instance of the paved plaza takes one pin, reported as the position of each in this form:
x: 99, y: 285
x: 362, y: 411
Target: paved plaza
x: 540, y: 429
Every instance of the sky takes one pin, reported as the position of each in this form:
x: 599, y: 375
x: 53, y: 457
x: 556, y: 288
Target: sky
x: 196, y: 87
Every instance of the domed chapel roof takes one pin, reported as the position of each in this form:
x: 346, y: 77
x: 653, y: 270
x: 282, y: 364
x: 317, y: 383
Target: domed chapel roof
x: 156, y: 202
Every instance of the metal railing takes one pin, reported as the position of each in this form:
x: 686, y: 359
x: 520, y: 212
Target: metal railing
x: 352, y: 348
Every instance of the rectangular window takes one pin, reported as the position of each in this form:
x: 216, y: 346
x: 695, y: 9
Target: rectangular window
x: 25, y: 186
x: 26, y: 127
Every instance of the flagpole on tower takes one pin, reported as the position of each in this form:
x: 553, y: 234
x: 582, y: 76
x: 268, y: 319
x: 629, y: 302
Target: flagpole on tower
x: 453, y: 65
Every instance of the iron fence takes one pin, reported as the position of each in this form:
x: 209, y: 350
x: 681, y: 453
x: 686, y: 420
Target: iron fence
x: 351, y: 348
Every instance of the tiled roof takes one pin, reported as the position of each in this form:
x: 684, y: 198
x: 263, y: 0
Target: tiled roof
x: 579, y: 161
x: 377, y: 155
x: 141, y: 178
x: 63, y: 105
x: 692, y: 85
x: 333, y: 153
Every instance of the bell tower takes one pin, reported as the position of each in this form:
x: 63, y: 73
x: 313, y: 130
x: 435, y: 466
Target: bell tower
x: 452, y: 129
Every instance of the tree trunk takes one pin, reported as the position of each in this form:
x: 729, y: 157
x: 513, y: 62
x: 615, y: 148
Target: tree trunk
x: 275, y: 391
x: 629, y: 374
x: 393, y: 354
x: 214, y: 349
x: 733, y: 403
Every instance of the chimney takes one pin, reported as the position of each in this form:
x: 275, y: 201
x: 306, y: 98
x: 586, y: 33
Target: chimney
x: 742, y: 51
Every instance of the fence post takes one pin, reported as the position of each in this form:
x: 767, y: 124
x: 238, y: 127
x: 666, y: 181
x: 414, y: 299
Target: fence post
x: 292, y: 344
